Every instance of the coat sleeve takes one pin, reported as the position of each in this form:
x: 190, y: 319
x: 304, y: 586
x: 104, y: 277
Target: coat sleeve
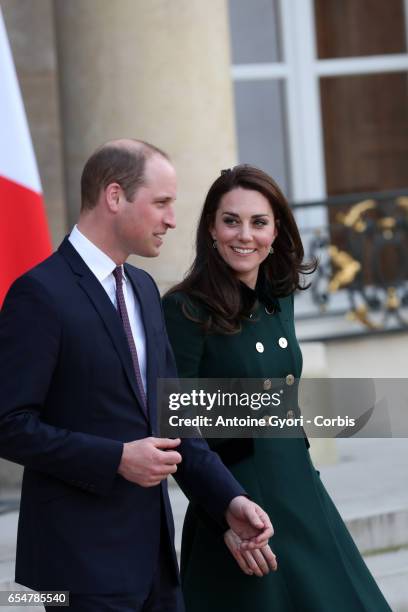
x: 201, y: 475
x: 30, y: 337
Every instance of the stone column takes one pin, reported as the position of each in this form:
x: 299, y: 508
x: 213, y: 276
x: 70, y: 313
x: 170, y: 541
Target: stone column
x: 315, y: 365
x: 158, y: 70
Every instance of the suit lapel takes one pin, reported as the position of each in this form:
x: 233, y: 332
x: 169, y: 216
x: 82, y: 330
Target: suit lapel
x: 106, y: 310
x: 151, y: 370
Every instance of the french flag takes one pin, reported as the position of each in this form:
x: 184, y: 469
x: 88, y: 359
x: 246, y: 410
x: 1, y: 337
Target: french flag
x: 24, y: 234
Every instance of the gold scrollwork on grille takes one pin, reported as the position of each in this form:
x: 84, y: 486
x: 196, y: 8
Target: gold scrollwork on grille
x: 348, y: 268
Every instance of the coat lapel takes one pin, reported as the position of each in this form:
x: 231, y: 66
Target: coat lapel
x: 106, y: 310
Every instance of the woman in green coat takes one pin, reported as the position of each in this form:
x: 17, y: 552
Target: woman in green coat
x: 232, y: 317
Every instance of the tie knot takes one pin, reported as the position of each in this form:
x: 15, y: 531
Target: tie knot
x: 118, y: 274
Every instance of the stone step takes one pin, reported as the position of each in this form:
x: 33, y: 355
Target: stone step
x: 380, y: 531
x: 6, y: 574
x: 390, y: 570
x: 366, y: 486
x: 7, y: 584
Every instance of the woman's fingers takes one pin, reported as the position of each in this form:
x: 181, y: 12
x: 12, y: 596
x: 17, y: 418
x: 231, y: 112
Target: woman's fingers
x: 243, y: 563
x: 270, y: 558
x: 261, y: 562
x: 232, y: 542
x: 252, y: 561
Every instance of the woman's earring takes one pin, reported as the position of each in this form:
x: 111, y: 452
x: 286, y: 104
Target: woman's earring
x: 271, y: 250
x: 214, y: 244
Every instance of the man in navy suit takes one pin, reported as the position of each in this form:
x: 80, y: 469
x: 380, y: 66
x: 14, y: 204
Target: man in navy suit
x: 82, y: 343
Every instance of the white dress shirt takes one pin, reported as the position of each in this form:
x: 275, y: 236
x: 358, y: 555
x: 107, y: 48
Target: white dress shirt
x: 102, y: 267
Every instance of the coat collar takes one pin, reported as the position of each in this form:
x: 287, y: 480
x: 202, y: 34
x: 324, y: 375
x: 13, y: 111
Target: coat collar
x: 262, y: 293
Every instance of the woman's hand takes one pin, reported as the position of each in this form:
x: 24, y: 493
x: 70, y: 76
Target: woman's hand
x: 249, y: 522
x: 256, y: 562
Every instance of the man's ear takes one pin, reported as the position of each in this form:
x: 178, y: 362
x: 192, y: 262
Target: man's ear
x: 112, y: 196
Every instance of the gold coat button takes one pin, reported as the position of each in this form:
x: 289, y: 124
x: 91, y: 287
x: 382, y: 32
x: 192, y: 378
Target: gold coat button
x: 290, y: 414
x: 259, y: 347
x: 267, y: 384
x: 290, y: 379
x: 283, y: 343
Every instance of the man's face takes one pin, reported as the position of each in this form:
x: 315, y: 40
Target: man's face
x: 143, y: 222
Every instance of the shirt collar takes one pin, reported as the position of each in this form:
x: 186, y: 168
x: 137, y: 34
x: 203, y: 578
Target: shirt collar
x: 100, y: 264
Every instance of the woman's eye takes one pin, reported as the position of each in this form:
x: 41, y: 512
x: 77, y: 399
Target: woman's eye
x: 260, y: 222
x: 230, y: 220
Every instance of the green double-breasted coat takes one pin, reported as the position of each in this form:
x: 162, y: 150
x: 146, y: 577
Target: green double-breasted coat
x: 319, y: 566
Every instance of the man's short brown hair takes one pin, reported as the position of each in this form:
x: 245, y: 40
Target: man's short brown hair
x: 118, y: 161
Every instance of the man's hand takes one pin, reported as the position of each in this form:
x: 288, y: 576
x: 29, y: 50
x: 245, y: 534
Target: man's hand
x: 149, y: 461
x: 249, y: 522
x: 258, y: 561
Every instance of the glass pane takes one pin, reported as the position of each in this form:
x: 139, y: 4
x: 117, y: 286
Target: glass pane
x: 365, y: 126
x: 261, y: 128
x: 254, y: 31
x: 347, y: 28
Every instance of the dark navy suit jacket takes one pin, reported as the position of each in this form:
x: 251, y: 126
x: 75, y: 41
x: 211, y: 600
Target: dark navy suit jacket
x: 68, y: 401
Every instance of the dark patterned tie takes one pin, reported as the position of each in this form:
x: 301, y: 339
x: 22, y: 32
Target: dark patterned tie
x: 120, y: 298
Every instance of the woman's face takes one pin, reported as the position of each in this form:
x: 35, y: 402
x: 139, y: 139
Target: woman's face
x: 244, y: 229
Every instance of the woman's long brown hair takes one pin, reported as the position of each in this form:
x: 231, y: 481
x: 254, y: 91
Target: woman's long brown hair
x: 211, y: 283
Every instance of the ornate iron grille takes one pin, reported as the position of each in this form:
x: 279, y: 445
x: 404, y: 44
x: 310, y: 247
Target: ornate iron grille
x: 361, y: 243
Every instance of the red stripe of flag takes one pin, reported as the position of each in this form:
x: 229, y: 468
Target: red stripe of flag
x: 24, y: 235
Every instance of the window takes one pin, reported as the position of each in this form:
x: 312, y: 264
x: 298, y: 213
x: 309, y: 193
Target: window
x: 321, y: 92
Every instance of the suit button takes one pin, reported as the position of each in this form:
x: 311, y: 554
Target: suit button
x: 259, y: 347
x: 267, y: 384
x: 290, y: 414
x: 290, y: 379
x: 283, y: 343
